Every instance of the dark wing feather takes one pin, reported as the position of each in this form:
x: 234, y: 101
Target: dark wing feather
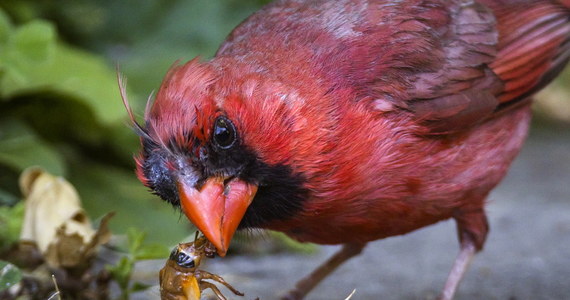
x: 462, y: 92
x: 449, y: 63
x: 489, y: 57
x: 534, y: 46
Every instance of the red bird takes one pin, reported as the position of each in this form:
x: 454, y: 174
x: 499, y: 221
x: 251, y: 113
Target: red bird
x: 344, y: 122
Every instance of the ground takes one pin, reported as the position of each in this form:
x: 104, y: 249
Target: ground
x: 527, y: 255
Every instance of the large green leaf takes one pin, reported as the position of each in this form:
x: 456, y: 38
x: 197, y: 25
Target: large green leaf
x: 34, y: 42
x: 33, y: 62
x: 26, y: 47
x: 75, y: 73
x: 5, y: 27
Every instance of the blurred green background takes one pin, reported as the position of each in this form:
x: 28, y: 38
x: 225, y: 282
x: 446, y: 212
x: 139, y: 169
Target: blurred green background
x: 59, y: 102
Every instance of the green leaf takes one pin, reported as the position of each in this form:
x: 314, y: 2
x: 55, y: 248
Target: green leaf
x: 73, y: 73
x: 121, y: 272
x: 21, y: 148
x: 13, y: 78
x: 152, y: 251
x: 5, y: 27
x: 34, y: 42
x: 11, y: 220
x: 86, y: 77
x: 135, y: 239
x: 33, y: 62
x: 9, y: 275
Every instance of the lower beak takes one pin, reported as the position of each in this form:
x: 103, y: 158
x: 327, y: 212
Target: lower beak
x: 217, y: 208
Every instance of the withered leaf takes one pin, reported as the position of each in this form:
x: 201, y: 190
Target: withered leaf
x: 55, y: 220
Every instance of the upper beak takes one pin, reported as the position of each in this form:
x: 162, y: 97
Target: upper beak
x: 217, y: 208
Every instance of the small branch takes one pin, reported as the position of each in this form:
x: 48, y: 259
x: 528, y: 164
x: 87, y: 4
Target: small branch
x: 57, y: 292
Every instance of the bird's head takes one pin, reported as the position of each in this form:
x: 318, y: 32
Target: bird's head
x: 207, y: 149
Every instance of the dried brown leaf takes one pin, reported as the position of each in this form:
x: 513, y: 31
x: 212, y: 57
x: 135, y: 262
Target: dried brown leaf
x: 55, y: 220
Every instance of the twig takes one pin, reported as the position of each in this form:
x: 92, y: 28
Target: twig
x: 57, y: 292
x: 350, y: 296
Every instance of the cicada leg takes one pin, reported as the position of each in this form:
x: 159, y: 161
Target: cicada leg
x: 208, y: 285
x: 214, y: 277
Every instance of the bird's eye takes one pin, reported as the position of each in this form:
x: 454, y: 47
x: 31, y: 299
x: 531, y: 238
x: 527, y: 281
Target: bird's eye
x: 224, y: 134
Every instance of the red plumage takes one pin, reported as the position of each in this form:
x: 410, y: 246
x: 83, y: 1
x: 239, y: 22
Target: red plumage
x: 394, y: 114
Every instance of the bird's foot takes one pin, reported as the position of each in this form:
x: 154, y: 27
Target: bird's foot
x: 305, y: 285
x: 459, y: 268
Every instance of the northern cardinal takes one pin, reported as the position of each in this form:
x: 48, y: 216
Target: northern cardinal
x: 344, y: 122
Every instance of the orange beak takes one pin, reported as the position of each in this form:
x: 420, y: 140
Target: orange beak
x: 217, y: 208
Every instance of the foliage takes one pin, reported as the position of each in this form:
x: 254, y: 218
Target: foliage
x: 59, y: 103
x: 60, y: 109
x: 11, y: 219
x: 136, y: 250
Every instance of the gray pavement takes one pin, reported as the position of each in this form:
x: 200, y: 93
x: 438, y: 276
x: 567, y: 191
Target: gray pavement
x: 527, y: 255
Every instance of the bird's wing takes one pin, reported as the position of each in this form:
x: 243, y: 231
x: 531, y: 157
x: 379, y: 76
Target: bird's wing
x: 482, y: 59
x: 449, y: 63
x: 534, y: 46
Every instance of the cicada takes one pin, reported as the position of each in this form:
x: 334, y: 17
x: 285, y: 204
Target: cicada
x: 180, y: 278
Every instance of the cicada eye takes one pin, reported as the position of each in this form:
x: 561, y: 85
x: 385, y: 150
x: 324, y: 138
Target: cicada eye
x: 184, y: 260
x: 224, y: 133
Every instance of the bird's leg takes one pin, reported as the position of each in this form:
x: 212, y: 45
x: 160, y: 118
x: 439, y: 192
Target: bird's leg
x: 305, y: 285
x: 459, y: 268
x: 472, y: 228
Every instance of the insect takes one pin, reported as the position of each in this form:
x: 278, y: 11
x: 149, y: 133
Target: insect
x: 180, y: 278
